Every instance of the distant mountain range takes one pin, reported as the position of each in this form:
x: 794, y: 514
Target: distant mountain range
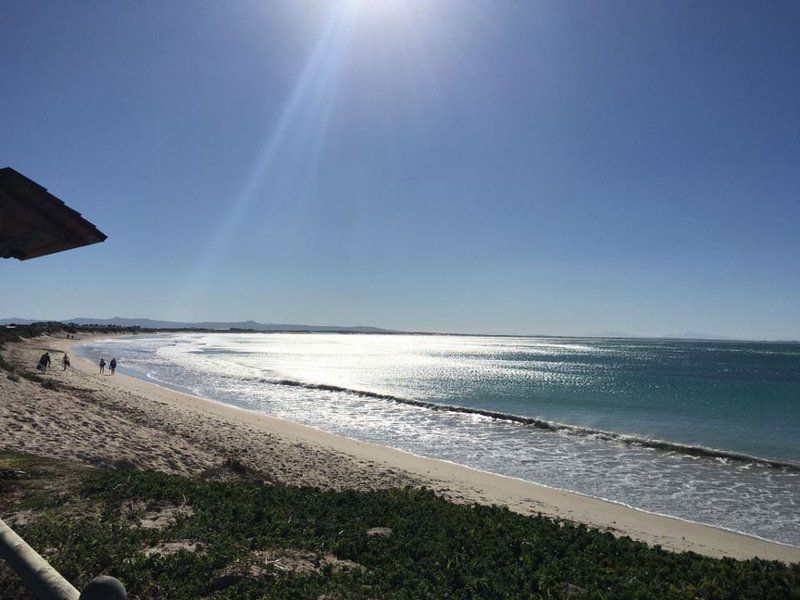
x: 256, y: 326
x: 221, y: 325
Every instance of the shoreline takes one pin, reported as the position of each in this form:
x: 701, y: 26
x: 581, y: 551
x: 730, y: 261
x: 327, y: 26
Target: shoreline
x: 459, y: 483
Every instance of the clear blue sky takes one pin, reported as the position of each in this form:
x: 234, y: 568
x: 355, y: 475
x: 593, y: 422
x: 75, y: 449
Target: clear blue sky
x: 511, y: 167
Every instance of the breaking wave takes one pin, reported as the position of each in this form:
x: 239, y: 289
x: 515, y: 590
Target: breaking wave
x: 600, y: 434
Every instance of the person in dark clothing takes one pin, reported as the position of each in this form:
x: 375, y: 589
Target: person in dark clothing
x: 65, y: 361
x: 113, y: 365
x: 44, y: 362
x: 102, y: 365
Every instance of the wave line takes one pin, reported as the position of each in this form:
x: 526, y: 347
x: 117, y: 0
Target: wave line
x: 543, y: 424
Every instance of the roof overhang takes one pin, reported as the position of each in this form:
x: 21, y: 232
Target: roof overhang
x: 34, y: 223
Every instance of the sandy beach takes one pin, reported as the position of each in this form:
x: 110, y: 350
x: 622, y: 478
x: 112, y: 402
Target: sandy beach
x: 124, y: 422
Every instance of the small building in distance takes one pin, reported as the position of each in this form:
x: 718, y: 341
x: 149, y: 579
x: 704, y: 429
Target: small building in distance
x: 34, y: 223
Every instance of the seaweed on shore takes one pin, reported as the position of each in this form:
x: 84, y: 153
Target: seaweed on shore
x: 166, y: 536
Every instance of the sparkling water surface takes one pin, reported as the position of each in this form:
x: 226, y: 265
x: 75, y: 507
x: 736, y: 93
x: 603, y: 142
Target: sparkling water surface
x: 742, y: 398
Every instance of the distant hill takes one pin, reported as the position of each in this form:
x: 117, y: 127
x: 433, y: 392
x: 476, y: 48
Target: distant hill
x: 277, y: 327
x: 17, y: 321
x: 221, y: 325
x: 693, y: 335
x: 613, y: 334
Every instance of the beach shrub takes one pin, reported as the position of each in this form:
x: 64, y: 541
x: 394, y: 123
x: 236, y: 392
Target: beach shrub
x: 435, y: 549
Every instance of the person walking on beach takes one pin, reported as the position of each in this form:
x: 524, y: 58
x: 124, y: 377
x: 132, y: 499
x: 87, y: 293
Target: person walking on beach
x: 113, y: 365
x: 102, y: 366
x: 44, y: 362
x: 65, y: 361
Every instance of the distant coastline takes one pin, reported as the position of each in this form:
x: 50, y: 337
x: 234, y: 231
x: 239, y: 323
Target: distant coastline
x: 257, y: 327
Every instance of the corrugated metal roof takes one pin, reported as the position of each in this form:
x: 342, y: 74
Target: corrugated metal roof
x: 34, y: 223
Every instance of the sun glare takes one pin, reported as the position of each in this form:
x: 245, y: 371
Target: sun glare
x: 378, y: 8
x: 380, y: 13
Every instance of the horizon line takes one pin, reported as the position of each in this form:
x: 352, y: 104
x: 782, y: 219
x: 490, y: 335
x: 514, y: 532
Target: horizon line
x: 193, y: 325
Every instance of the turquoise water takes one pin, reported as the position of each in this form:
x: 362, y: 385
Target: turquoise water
x: 692, y: 429
x: 742, y: 397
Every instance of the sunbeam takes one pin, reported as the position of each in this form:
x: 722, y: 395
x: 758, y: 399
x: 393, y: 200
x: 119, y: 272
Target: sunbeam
x: 386, y: 55
x: 301, y: 126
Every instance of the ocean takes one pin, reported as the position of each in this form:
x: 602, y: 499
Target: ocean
x: 707, y: 431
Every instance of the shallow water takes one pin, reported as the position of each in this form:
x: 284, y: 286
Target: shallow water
x: 721, y: 399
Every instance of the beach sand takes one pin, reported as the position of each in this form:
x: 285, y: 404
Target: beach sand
x: 124, y: 422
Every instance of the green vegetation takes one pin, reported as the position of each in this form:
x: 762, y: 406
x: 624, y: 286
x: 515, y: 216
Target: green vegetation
x: 18, y: 332
x: 171, y: 537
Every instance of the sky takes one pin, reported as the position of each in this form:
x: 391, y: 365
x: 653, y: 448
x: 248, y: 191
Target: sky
x: 512, y: 167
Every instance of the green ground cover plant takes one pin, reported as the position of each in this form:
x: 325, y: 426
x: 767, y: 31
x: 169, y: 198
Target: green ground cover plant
x: 171, y: 537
